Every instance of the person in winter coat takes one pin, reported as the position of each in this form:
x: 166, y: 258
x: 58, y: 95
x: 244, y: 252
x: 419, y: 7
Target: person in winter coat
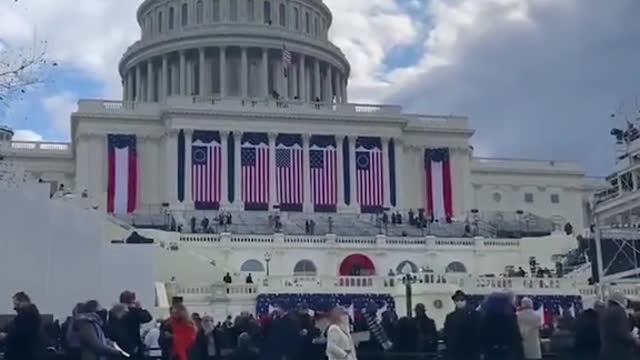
x: 425, y: 329
x: 617, y: 341
x: 499, y: 332
x: 125, y: 330
x: 587, y: 339
x: 208, y: 342
x: 530, y: 324
x: 245, y: 351
x: 24, y: 339
x: 177, y: 335
x: 88, y: 327
x: 339, y: 342
x: 461, y: 330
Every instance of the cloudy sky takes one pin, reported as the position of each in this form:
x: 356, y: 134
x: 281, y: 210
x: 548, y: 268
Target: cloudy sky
x: 537, y: 78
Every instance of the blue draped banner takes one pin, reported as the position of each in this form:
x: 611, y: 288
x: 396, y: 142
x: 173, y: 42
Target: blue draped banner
x: 322, y: 302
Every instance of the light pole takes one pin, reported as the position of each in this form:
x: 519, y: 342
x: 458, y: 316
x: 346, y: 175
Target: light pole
x: 408, y: 282
x: 267, y: 259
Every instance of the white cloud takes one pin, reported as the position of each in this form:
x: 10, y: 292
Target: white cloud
x: 60, y: 107
x: 26, y: 135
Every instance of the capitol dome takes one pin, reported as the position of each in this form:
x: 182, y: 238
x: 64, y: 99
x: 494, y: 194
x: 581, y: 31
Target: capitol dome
x: 234, y: 48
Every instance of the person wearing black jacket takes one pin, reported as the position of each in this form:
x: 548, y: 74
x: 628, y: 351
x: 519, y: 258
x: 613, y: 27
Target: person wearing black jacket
x: 425, y: 328
x: 461, y: 330
x: 24, y: 339
x: 208, y: 341
x: 587, y: 339
x: 88, y: 328
x: 125, y: 330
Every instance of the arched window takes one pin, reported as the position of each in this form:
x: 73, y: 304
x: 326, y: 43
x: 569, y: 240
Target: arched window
x: 456, y: 267
x: 316, y: 27
x: 160, y: 22
x: 215, y: 10
x: 251, y: 11
x: 282, y: 14
x: 296, y: 18
x: 407, y: 267
x: 199, y: 12
x: 185, y: 14
x: 252, y: 266
x: 305, y: 268
x: 267, y: 12
x: 307, y: 22
x: 233, y: 10
x: 172, y: 15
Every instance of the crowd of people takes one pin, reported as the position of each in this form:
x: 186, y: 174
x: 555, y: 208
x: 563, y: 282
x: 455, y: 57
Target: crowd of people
x: 499, y: 330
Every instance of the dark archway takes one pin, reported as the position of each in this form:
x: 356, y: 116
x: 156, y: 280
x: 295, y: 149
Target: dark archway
x: 357, y: 265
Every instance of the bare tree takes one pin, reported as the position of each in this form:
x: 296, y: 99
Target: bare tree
x: 21, y: 69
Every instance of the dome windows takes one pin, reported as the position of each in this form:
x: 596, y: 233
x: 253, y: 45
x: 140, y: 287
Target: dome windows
x: 251, y: 11
x: 172, y: 15
x: 160, y: 22
x: 307, y: 22
x: 185, y: 15
x: 199, y: 12
x: 215, y: 10
x: 267, y: 13
x: 296, y: 18
x: 233, y: 10
x: 282, y: 15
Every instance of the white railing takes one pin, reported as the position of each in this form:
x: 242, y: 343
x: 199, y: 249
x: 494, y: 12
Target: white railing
x: 423, y: 282
x: 328, y: 240
x: 41, y: 146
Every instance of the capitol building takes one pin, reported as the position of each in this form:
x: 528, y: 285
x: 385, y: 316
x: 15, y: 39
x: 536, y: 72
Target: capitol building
x: 239, y: 110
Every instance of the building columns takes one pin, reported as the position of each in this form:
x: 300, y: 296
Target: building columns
x: 138, y: 84
x: 265, y: 72
x: 386, y: 178
x: 223, y: 71
x: 188, y: 183
x: 306, y: 175
x: 171, y: 156
x: 340, y: 172
x: 164, y: 81
x: 302, y: 85
x: 130, y: 82
x: 338, y: 87
x: 329, y: 87
x: 183, y: 74
x: 202, y: 72
x: 272, y: 170
x: 352, y: 171
x: 237, y: 164
x: 244, y: 74
x: 150, y: 82
x: 293, y: 74
x: 224, y: 169
x: 316, y: 80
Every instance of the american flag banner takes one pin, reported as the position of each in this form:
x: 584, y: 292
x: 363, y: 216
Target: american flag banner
x: 254, y: 164
x: 438, y: 187
x: 122, y: 182
x: 323, y: 164
x: 206, y: 169
x: 289, y: 172
x: 369, y: 176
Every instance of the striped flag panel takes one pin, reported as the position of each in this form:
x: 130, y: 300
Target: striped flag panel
x: 255, y: 174
x: 206, y: 172
x: 369, y: 177
x: 324, y: 185
x: 289, y: 176
x: 438, y: 183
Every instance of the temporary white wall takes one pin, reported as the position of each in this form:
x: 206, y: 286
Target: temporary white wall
x: 57, y: 253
